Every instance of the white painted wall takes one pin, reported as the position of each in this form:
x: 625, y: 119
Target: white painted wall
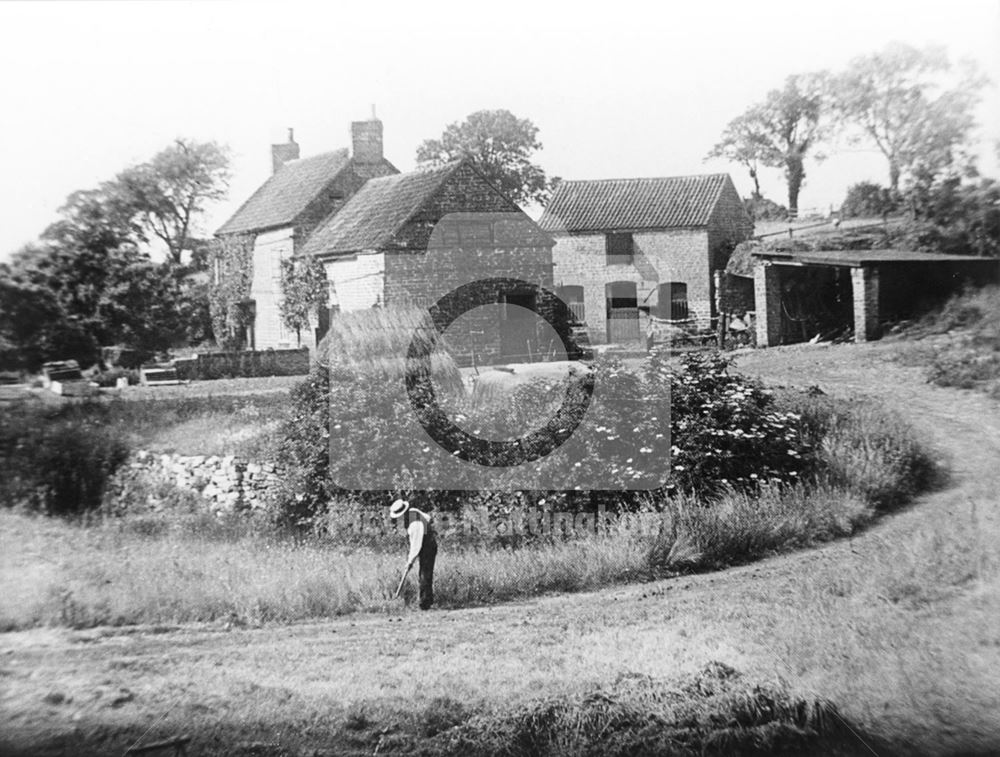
x: 357, y: 282
x: 270, y: 248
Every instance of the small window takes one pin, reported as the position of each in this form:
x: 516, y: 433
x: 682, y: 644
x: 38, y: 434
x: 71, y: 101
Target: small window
x: 673, y: 301
x: 573, y: 297
x: 619, y: 248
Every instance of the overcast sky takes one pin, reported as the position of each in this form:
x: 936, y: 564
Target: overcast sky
x: 617, y: 90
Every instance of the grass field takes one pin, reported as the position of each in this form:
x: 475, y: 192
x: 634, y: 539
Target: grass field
x: 889, y: 635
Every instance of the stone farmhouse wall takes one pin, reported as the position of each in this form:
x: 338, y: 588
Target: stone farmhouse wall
x: 269, y: 249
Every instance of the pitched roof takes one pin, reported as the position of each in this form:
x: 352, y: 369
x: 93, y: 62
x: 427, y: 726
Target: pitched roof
x: 376, y: 211
x: 633, y: 204
x: 280, y: 199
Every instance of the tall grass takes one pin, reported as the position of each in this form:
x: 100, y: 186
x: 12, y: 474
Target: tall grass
x: 960, y: 342
x: 375, y: 342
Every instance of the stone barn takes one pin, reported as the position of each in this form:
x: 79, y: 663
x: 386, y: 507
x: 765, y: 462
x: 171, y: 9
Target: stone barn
x: 631, y: 250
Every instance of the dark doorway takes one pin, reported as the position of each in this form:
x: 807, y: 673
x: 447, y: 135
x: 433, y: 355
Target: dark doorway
x: 518, y: 328
x: 623, y: 312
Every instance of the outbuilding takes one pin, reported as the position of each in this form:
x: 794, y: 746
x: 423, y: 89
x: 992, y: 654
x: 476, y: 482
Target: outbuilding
x: 801, y: 294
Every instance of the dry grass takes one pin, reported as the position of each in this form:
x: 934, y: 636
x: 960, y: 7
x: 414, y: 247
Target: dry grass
x: 374, y: 343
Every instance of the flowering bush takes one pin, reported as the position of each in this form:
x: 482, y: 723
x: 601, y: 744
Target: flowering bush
x: 724, y: 428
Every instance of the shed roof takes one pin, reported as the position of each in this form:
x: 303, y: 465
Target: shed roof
x: 633, y: 204
x: 858, y: 258
x: 280, y: 199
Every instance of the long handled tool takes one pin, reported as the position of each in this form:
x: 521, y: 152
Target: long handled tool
x: 405, y: 574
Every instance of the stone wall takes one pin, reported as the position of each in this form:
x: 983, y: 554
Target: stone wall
x: 661, y: 257
x: 226, y: 483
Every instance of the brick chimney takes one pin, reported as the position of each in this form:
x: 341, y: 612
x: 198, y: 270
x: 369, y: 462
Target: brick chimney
x: 366, y: 141
x: 281, y: 154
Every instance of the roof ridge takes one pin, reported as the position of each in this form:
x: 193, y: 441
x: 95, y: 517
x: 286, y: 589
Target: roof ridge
x: 645, y: 178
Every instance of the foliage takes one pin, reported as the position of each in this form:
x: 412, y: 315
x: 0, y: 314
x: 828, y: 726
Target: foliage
x: 907, y: 102
x: 304, y: 452
x: 955, y: 217
x: 303, y: 290
x: 168, y: 193
x: 761, y: 208
x: 964, y: 341
x: 59, y: 466
x: 501, y: 146
x: 866, y: 199
x: 231, y: 271
x: 724, y: 428
x: 779, y: 132
x: 91, y: 282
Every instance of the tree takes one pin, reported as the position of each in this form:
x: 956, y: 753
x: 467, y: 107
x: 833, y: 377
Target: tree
x: 913, y: 106
x: 742, y: 143
x: 779, y: 132
x: 169, y: 192
x: 303, y: 290
x: 500, y: 145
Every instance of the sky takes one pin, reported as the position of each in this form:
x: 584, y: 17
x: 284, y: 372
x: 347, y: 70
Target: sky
x: 616, y: 89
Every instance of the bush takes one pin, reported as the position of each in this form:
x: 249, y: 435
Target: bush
x: 866, y: 199
x: 58, y: 467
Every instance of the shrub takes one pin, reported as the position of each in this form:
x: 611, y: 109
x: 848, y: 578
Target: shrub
x: 59, y: 467
x: 866, y: 199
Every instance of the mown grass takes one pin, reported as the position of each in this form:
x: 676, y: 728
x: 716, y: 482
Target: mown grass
x: 178, y: 567
x: 716, y: 711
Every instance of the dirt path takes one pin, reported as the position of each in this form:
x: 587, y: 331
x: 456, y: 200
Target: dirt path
x: 923, y: 674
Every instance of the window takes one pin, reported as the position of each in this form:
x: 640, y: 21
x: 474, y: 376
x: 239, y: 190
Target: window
x: 672, y: 301
x: 619, y: 248
x: 573, y: 296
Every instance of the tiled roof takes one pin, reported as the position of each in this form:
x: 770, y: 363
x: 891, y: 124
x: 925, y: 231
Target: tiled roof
x: 371, y: 217
x: 281, y: 198
x: 633, y: 204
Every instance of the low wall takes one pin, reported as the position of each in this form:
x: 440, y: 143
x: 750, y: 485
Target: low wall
x: 226, y: 483
x: 244, y: 364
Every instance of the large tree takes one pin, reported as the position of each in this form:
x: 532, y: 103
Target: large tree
x: 913, y: 106
x: 501, y: 145
x: 169, y: 192
x: 779, y: 132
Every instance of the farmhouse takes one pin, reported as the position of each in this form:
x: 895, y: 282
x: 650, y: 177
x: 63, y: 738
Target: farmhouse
x: 279, y: 217
x: 628, y: 250
x: 412, y: 239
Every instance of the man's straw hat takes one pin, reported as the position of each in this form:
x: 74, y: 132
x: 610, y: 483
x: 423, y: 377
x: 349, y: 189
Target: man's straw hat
x: 398, y: 507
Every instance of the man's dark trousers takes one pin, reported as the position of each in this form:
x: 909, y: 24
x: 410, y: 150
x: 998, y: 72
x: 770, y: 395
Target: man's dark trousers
x: 428, y: 551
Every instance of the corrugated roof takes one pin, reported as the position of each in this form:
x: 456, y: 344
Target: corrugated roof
x: 633, y: 204
x: 281, y: 198
x: 376, y: 212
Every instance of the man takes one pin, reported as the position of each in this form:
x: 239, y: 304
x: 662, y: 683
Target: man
x: 423, y: 546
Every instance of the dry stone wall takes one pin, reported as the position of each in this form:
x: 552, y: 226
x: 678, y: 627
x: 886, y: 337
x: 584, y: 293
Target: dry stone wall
x: 226, y: 483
